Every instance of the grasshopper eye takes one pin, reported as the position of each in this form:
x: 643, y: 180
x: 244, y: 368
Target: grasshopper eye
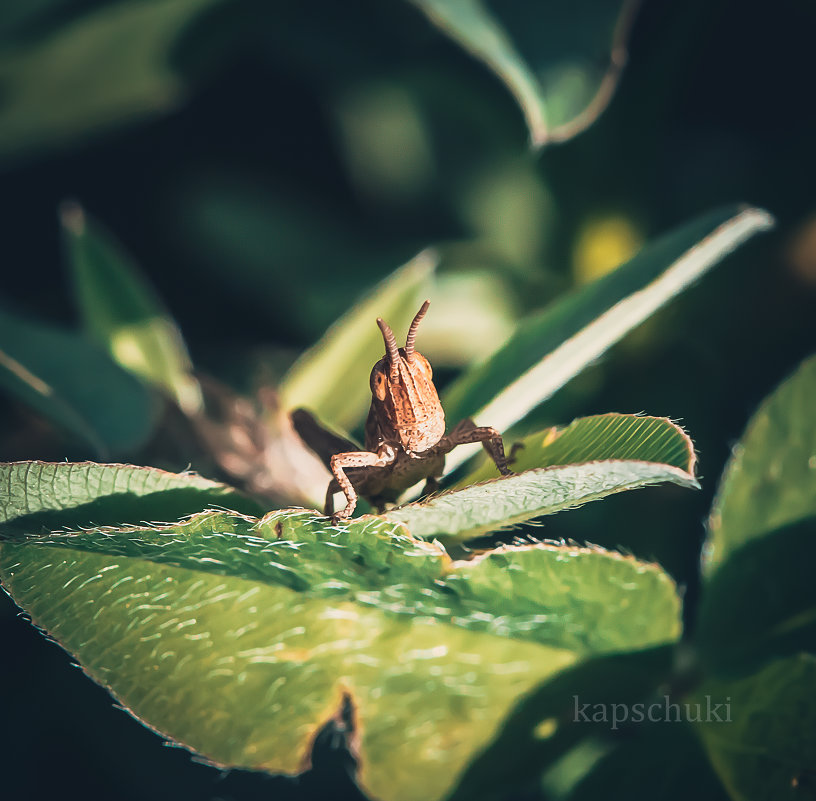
x: 378, y: 384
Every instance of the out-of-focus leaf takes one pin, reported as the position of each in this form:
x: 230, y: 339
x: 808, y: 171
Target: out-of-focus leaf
x: 591, y: 458
x: 560, y: 60
x: 627, y: 437
x: 254, y: 442
x: 472, y: 316
x: 36, y: 496
x: 241, y: 638
x: 759, y: 604
x: 660, y: 755
x: 550, y: 348
x: 331, y: 379
x: 771, y: 478
x: 19, y: 18
x: 75, y: 384
x: 511, y: 212
x: 108, y: 66
x: 121, y: 311
x: 546, y: 733
x: 761, y: 737
x: 277, y: 248
x: 603, y: 244
x: 386, y: 142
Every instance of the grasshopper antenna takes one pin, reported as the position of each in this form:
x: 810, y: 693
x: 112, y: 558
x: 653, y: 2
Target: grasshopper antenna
x: 391, y: 349
x: 412, y: 331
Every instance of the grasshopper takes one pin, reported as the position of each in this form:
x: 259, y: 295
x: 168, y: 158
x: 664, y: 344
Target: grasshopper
x: 405, y: 439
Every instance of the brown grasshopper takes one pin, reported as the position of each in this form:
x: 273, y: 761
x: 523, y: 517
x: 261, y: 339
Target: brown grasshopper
x: 405, y: 439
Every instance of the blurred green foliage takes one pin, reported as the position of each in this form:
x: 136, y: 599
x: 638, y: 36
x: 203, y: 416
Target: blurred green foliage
x: 266, y: 164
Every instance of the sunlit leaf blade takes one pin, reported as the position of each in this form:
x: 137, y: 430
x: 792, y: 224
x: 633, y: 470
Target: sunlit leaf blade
x: 561, y: 62
x: 501, y: 502
x: 761, y: 737
x: 107, y: 66
x: 377, y: 564
x: 602, y: 437
x: 120, y: 310
x: 550, y: 348
x: 331, y: 379
x: 771, y: 478
x: 240, y: 638
x: 557, y: 469
x: 75, y: 384
x: 246, y: 671
x: 38, y: 496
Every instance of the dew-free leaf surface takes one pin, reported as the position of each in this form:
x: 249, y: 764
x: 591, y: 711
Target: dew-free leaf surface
x: 507, y: 500
x: 601, y: 437
x: 53, y: 495
x: 241, y: 638
x: 557, y: 469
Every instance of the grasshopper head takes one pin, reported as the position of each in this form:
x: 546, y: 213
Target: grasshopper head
x: 403, y: 393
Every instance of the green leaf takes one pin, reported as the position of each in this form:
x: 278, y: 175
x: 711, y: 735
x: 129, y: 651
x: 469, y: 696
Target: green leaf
x: 545, y: 731
x: 74, y: 384
x: 766, y: 748
x: 121, y: 311
x: 557, y: 469
x: 770, y: 480
x: 553, y: 346
x: 603, y: 437
x: 759, y: 604
x: 241, y: 638
x: 343, y: 358
x: 108, y: 66
x: 502, y: 502
x: 650, y: 756
x: 561, y: 61
x: 37, y: 496
x: 378, y: 565
x: 758, y: 601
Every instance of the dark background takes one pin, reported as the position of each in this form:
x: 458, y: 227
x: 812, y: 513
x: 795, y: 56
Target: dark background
x: 241, y: 207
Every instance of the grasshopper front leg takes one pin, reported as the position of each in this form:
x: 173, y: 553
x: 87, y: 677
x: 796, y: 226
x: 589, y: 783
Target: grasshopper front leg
x: 340, y: 462
x: 468, y: 432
